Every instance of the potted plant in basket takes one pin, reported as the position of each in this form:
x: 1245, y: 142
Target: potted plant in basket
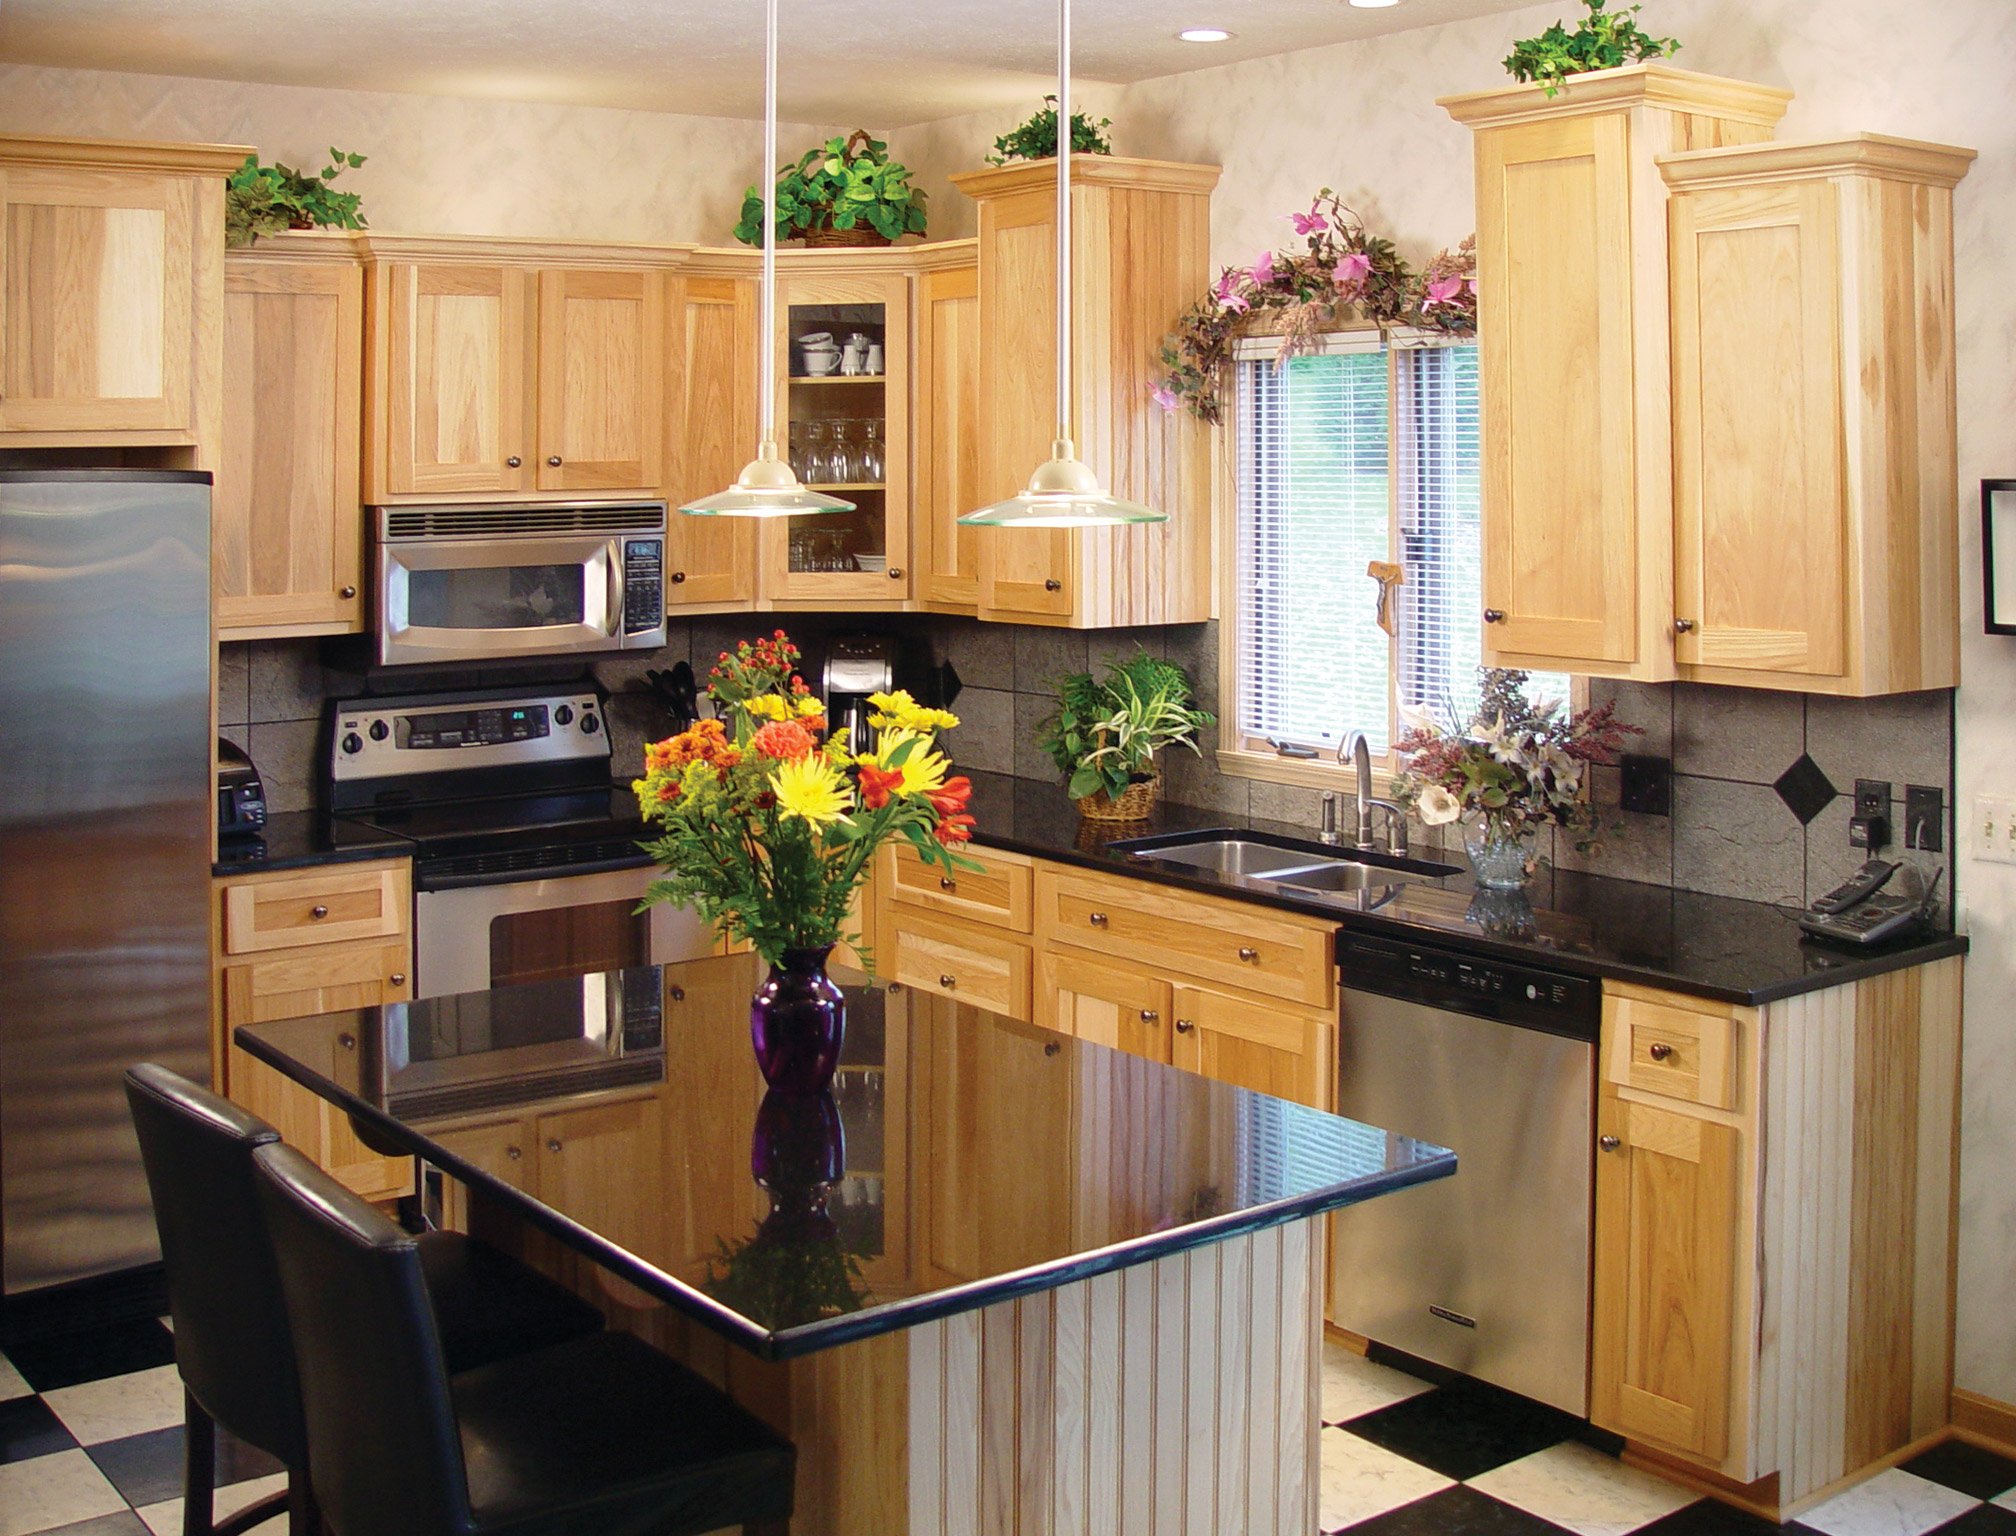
x: 766, y: 828
x: 1106, y: 731
x: 843, y: 192
x: 266, y: 199
x: 1507, y: 770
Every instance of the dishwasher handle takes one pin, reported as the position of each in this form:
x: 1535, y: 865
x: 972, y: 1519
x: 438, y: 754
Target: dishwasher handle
x: 1457, y: 981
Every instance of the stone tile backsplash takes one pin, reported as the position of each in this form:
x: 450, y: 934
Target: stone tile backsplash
x: 1730, y: 832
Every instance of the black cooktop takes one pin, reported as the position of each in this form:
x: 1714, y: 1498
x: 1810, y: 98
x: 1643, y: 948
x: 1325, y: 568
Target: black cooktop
x: 473, y: 842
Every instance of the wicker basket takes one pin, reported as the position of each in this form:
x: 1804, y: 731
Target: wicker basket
x: 1134, y: 804
x: 860, y: 234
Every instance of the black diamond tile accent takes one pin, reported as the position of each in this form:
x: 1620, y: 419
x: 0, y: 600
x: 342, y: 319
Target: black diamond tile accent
x: 1466, y: 1428
x: 147, y: 1468
x: 1457, y: 1511
x: 1968, y: 1468
x: 1805, y: 790
x: 1981, y: 1520
x: 126, y: 1523
x: 28, y: 1429
x: 71, y: 1359
x: 1706, y: 1517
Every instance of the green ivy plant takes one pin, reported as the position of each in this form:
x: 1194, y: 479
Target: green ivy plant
x: 1606, y: 40
x: 842, y: 184
x: 1105, y: 732
x: 266, y: 199
x: 1036, y: 137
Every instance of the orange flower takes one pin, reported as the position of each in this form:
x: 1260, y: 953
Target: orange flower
x: 784, y: 740
x: 668, y: 791
x: 876, y: 784
x: 952, y: 797
x: 705, y: 741
x: 954, y: 829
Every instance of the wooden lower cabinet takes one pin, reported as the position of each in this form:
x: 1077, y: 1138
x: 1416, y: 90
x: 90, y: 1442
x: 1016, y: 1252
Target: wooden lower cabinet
x: 1105, y: 1002
x: 276, y: 959
x: 1288, y: 1052
x: 1774, y: 1228
x: 961, y: 960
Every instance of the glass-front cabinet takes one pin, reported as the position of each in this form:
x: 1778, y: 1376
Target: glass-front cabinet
x: 843, y: 371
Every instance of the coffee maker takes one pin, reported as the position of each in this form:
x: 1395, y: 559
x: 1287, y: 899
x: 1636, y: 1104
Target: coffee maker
x: 856, y: 666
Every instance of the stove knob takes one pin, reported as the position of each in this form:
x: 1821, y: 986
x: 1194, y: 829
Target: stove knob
x: 590, y: 724
x: 353, y: 743
x: 564, y: 715
x: 380, y: 730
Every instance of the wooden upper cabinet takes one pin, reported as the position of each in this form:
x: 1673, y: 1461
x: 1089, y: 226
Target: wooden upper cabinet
x: 457, y: 343
x: 710, y: 562
x: 948, y: 438
x: 601, y: 379
x: 1572, y: 313
x: 1814, y: 453
x: 110, y: 277
x: 288, y: 536
x: 1141, y: 234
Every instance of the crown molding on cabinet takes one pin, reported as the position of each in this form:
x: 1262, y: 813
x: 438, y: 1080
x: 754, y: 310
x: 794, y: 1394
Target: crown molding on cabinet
x: 1855, y: 154
x: 1606, y: 90
x: 122, y: 154
x: 1089, y: 170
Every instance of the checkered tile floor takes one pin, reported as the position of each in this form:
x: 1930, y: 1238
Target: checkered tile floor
x: 91, y: 1445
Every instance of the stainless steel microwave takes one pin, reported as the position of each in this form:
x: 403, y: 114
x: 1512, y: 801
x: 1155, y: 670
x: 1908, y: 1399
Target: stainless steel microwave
x: 519, y: 579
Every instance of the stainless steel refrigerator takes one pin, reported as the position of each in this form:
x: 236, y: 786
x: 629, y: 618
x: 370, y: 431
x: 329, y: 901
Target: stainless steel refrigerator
x: 106, y: 809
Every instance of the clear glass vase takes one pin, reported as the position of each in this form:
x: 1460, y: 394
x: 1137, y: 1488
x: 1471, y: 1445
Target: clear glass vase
x: 1503, y: 861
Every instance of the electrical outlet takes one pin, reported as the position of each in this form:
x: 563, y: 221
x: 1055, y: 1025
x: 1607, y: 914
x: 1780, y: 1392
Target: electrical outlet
x: 1924, y: 818
x: 1992, y: 835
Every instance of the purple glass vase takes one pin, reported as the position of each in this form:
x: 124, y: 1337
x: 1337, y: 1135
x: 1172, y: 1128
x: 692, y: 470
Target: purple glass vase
x: 796, y: 1022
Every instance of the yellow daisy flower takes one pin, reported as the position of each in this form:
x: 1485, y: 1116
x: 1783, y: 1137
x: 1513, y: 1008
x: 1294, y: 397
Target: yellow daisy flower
x: 770, y: 706
x: 811, y: 789
x: 901, y: 711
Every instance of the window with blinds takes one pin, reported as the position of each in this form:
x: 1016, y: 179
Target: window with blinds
x: 1358, y: 453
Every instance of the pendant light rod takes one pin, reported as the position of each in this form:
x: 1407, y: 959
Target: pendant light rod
x: 1064, y: 401
x: 767, y: 306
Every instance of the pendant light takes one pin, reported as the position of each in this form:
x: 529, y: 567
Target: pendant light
x: 768, y: 486
x: 1063, y: 493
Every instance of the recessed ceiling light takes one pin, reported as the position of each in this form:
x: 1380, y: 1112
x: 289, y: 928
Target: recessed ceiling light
x: 1203, y: 35
x: 1373, y: 5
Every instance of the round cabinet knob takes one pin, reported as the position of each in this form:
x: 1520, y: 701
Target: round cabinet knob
x: 347, y: 1041
x: 1184, y: 1026
x: 676, y: 994
x: 563, y: 714
x: 1052, y: 584
x: 552, y: 461
x: 1494, y: 615
x: 380, y: 730
x: 1659, y: 1050
x: 1608, y: 1143
x: 353, y: 743
x: 1096, y: 919
x: 1150, y: 1016
x: 1249, y: 955
x: 346, y: 593
x: 1051, y: 1047
x: 318, y: 913
x: 1683, y: 626
x: 553, y: 1145
x: 678, y: 577
x: 514, y: 1153
x: 947, y: 883
x: 895, y: 573
x: 397, y: 978
x: 513, y: 462
x: 948, y: 982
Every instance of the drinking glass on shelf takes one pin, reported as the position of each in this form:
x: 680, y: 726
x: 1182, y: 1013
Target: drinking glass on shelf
x: 794, y: 453
x: 873, y: 469
x: 818, y: 454
x: 801, y: 549
x: 844, y: 453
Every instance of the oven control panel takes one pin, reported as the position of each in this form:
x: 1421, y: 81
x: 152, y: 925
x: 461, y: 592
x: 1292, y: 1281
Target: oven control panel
x: 392, y: 738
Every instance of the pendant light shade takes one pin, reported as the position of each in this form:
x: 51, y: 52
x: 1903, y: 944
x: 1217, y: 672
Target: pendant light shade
x: 767, y: 486
x: 1064, y: 492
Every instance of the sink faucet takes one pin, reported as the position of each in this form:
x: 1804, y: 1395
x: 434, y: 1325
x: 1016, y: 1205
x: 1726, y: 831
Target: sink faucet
x: 1358, y: 750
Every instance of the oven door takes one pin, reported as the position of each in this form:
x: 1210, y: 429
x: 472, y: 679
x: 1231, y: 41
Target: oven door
x: 478, y: 937
x: 477, y: 599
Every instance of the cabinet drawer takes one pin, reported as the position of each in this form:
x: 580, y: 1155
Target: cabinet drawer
x: 999, y: 895
x: 319, y: 906
x: 1226, y: 941
x: 324, y: 979
x: 1660, y: 1045
x: 967, y: 964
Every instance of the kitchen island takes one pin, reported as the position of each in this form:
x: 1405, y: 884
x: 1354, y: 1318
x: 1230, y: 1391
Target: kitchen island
x: 998, y: 1280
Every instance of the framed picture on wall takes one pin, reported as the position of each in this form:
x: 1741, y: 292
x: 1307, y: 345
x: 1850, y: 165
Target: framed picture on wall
x: 1998, y: 555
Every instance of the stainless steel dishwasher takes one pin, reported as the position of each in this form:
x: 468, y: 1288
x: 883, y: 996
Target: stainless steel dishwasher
x: 1486, y: 1272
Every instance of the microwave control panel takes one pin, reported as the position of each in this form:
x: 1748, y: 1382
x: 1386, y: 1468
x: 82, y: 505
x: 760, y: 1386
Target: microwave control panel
x: 643, y: 586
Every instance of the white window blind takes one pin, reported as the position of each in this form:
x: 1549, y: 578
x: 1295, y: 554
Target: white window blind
x: 1315, y: 505
x: 1348, y: 456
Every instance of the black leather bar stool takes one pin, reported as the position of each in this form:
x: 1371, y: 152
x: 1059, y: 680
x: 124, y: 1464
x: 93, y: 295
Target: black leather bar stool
x: 232, y: 1344
x: 600, y: 1436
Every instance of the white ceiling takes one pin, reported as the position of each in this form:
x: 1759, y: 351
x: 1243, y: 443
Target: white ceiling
x: 889, y: 63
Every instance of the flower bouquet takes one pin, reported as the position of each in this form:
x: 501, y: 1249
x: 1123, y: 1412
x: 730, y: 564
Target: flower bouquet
x: 1509, y: 769
x: 767, y: 828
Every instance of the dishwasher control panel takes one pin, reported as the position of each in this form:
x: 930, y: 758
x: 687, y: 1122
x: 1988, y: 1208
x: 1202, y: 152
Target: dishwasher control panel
x: 1440, y: 977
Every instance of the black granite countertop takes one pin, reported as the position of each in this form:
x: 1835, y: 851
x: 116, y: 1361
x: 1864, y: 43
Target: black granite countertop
x: 1683, y: 941
x: 962, y: 1158
x: 302, y: 840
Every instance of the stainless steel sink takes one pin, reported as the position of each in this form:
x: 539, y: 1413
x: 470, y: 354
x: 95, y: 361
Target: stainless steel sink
x: 1299, y: 867
x: 1232, y: 856
x: 1339, y: 876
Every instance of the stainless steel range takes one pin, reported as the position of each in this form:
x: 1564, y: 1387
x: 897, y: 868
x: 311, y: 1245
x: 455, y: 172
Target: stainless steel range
x: 526, y: 862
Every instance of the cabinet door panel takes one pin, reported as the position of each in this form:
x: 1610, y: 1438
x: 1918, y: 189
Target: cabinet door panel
x: 601, y: 380
x: 97, y: 320
x: 1240, y: 1040
x: 1114, y: 1005
x: 1666, y: 1208
x: 1762, y: 530
x: 1554, y: 303
x: 457, y: 365
x: 599, y: 1164
x: 710, y: 562
x: 289, y: 526
x: 948, y: 435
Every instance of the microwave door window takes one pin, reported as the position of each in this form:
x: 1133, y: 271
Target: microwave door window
x: 499, y: 597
